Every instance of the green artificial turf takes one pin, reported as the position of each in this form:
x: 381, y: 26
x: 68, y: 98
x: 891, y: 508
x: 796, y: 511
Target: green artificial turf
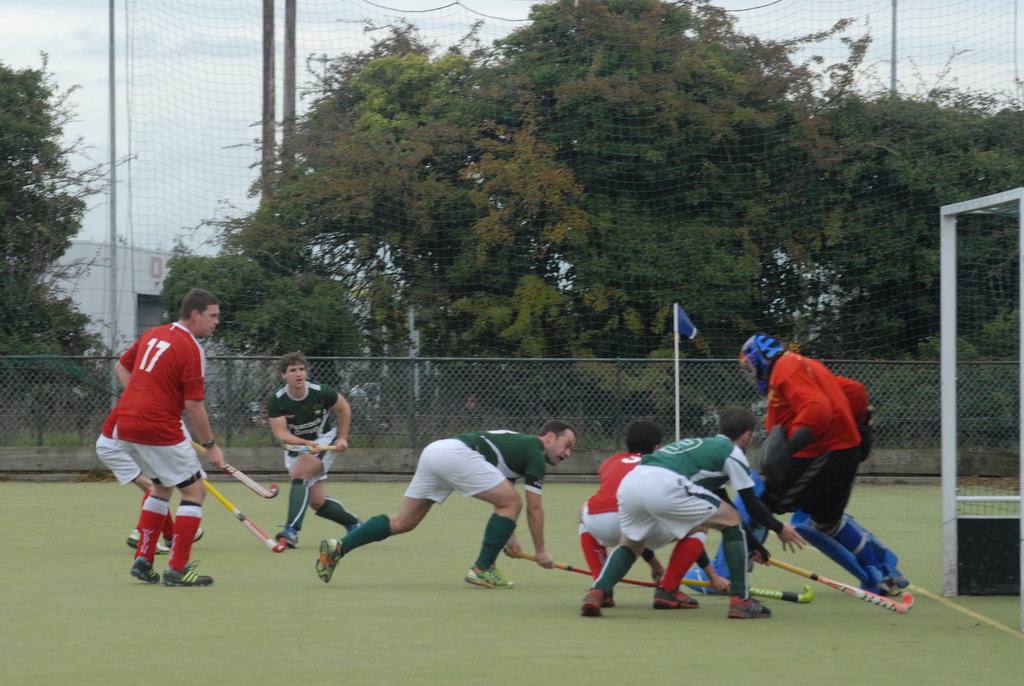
x: 399, y: 612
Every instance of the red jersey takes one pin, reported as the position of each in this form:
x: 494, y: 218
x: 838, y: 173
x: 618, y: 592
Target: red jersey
x: 110, y: 424
x: 858, y: 397
x: 168, y: 367
x: 803, y: 392
x: 610, y: 473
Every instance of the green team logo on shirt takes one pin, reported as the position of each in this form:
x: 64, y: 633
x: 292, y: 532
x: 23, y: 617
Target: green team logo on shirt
x: 682, y: 446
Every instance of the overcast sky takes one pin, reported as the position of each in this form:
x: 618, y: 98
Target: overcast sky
x: 75, y: 34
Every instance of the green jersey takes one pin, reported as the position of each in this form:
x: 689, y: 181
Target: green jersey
x: 516, y: 455
x: 708, y: 462
x: 309, y: 417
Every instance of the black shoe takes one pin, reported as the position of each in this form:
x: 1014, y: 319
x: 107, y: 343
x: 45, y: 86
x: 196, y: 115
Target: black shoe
x: 747, y: 609
x: 143, y: 570
x: 186, y: 577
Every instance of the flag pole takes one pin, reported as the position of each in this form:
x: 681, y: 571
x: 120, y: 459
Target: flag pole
x: 675, y: 329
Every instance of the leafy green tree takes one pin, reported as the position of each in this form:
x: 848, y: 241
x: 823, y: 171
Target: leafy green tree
x: 375, y: 199
x: 264, y: 313
x: 875, y: 279
x: 41, y: 208
x: 671, y: 122
x: 555, y: 193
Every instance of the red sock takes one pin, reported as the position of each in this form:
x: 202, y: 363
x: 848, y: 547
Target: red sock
x: 168, y: 526
x: 144, y: 496
x: 151, y: 522
x: 685, y: 553
x: 594, y: 553
x: 186, y: 524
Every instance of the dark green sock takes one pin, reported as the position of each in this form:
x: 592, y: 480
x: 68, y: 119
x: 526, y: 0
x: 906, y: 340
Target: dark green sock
x: 336, y: 512
x: 615, y: 569
x: 376, y: 528
x: 496, y: 535
x: 298, y: 500
x: 734, y: 544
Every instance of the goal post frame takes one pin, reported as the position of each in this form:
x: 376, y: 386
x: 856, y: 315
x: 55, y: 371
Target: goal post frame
x: 1010, y: 202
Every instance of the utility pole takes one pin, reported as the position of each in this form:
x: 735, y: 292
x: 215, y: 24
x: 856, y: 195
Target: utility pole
x: 288, y: 108
x: 112, y: 248
x: 269, y: 128
x: 892, y: 65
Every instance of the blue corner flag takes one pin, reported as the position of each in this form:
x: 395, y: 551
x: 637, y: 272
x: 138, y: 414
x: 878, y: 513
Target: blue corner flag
x: 684, y: 327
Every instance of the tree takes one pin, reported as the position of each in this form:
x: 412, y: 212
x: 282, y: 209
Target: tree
x: 553, y: 194
x: 41, y: 208
x: 375, y: 200
x: 672, y: 124
x: 266, y: 313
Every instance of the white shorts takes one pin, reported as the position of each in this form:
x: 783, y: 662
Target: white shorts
x: 451, y: 465
x: 171, y: 464
x: 326, y: 456
x: 658, y: 506
x: 604, y: 527
x: 118, y: 460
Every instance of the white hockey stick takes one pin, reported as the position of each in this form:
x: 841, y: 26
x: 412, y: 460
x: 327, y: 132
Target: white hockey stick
x: 901, y: 606
x: 242, y: 476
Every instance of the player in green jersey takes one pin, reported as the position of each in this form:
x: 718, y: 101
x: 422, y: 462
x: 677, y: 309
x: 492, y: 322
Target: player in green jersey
x: 677, y: 489
x: 301, y: 413
x: 482, y: 464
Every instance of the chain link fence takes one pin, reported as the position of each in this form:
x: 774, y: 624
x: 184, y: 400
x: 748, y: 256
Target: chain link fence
x: 407, y: 402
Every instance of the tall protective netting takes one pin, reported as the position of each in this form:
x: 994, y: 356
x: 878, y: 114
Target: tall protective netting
x: 466, y: 185
x: 547, y: 186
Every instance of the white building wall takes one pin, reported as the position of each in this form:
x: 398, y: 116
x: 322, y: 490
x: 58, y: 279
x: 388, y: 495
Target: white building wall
x: 140, y: 278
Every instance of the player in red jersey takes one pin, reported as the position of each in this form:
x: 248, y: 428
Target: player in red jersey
x: 599, y: 525
x: 163, y: 375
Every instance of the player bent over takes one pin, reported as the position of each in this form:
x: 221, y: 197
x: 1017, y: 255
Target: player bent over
x: 819, y: 433
x: 481, y: 464
x: 659, y: 503
x: 600, y: 529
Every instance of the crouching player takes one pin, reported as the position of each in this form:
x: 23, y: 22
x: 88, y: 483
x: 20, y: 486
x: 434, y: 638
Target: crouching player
x: 663, y: 500
x: 600, y: 530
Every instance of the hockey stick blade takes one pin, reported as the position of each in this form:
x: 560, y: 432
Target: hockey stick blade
x: 270, y: 543
x: 805, y: 597
x: 901, y: 606
x: 252, y: 485
x: 240, y: 475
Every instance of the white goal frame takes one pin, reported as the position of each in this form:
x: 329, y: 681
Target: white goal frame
x: 1011, y: 203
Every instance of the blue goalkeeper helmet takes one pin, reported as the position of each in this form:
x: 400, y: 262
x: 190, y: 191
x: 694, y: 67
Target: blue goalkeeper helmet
x: 756, y: 357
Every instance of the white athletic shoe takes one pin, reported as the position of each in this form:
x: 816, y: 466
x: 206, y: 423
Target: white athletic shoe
x: 133, y: 539
x: 161, y: 547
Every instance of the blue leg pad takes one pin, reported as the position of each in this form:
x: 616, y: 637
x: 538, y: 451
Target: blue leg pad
x: 854, y: 549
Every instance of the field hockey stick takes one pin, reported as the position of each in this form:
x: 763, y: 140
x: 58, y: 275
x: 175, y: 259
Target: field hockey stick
x: 241, y: 476
x: 267, y: 541
x: 303, y: 448
x: 805, y: 597
x: 873, y: 598
x: 253, y: 486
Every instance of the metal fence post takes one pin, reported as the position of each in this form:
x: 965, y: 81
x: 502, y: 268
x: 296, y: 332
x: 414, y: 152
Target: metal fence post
x: 618, y: 404
x: 228, y: 412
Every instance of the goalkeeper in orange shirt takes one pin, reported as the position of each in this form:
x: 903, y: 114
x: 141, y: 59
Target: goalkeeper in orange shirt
x: 819, y: 433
